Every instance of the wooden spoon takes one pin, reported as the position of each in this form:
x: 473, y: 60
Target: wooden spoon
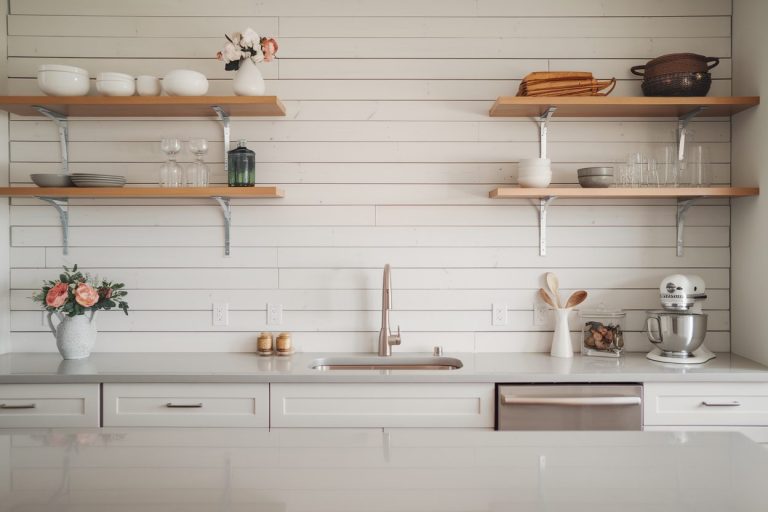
x: 546, y: 298
x: 554, y: 287
x: 575, y: 299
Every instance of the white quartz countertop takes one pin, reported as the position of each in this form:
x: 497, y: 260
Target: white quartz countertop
x: 478, y: 367
x: 373, y: 470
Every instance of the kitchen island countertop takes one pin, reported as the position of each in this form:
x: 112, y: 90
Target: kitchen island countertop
x: 299, y: 470
x: 31, y: 368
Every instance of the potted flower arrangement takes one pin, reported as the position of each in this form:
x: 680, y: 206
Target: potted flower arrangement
x: 69, y: 298
x: 241, y: 53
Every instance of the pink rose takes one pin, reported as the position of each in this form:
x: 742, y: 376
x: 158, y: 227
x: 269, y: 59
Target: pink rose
x: 85, y: 295
x: 269, y: 46
x: 57, y: 296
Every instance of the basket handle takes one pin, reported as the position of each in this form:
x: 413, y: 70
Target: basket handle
x: 636, y: 70
x: 715, y: 61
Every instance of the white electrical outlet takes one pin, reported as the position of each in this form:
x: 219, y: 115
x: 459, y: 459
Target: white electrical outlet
x: 220, y: 314
x: 500, y: 316
x: 540, y: 313
x: 274, y: 314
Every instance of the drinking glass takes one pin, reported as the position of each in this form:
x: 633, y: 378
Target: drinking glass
x: 668, y: 165
x: 170, y: 171
x: 697, y: 161
x: 198, y: 173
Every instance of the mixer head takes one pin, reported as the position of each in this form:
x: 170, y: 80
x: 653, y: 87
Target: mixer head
x: 681, y: 292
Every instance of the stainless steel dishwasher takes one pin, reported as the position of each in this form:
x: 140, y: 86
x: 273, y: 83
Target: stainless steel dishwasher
x: 569, y: 407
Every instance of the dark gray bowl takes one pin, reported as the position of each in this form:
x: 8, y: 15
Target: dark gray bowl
x: 51, y: 180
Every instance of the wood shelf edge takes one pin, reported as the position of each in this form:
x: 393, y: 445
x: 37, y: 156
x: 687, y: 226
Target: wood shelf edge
x: 266, y: 192
x: 617, y: 193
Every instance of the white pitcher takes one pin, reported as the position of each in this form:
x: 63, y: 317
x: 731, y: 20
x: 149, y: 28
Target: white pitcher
x: 561, y: 339
x: 75, y: 335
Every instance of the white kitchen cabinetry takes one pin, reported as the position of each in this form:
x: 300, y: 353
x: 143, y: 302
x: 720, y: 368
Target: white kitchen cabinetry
x: 732, y: 406
x: 186, y: 405
x: 49, y: 405
x: 382, y: 405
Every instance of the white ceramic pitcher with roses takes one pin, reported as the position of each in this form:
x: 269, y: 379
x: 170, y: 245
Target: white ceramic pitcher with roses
x: 75, y: 335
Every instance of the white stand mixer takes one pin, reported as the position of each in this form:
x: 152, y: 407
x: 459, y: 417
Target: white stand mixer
x: 678, y: 331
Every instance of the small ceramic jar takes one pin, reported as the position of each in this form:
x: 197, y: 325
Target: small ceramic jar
x: 264, y: 344
x: 283, y: 344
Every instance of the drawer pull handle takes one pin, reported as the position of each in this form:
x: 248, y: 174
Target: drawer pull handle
x: 171, y: 405
x: 571, y: 401
x: 20, y: 406
x: 721, y: 404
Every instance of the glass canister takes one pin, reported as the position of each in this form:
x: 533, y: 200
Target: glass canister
x: 241, y: 164
x: 601, y: 332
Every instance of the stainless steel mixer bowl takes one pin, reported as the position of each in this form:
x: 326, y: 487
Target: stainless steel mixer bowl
x: 676, y: 334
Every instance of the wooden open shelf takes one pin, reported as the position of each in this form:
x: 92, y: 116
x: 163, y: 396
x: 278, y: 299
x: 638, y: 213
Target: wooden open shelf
x: 96, y: 192
x: 585, y: 193
x: 144, y: 106
x: 620, y: 106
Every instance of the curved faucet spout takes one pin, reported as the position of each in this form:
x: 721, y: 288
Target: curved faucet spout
x: 386, y: 339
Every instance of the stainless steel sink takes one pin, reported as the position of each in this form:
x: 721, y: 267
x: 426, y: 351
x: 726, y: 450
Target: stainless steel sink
x: 386, y: 363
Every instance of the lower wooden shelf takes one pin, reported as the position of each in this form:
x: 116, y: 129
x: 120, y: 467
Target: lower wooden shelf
x: 58, y: 197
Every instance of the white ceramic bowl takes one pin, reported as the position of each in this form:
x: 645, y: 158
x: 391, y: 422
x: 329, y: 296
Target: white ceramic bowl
x: 111, y: 75
x: 185, y: 82
x: 147, y: 85
x: 535, y: 181
x: 535, y: 162
x: 116, y: 87
x: 58, y: 80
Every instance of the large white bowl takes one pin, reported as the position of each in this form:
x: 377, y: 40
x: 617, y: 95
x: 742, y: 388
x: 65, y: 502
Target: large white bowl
x: 185, y: 82
x: 58, y: 80
x: 116, y: 87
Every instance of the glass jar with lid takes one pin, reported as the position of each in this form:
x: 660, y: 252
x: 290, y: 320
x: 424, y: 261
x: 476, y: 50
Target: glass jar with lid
x: 601, y: 332
x: 241, y: 165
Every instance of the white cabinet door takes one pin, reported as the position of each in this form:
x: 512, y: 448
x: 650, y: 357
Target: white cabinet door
x: 186, y: 405
x: 49, y: 405
x: 382, y: 405
x: 705, y: 403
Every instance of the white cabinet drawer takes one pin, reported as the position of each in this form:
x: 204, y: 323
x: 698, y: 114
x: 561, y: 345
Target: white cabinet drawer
x: 757, y: 434
x: 737, y: 404
x: 382, y: 405
x: 49, y: 405
x: 186, y: 405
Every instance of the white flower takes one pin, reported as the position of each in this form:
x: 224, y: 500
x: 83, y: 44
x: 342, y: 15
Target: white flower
x: 236, y: 37
x: 231, y: 53
x: 249, y: 38
x: 258, y: 56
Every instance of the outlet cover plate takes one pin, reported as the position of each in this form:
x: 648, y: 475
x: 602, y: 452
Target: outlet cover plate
x: 500, y: 315
x: 274, y: 314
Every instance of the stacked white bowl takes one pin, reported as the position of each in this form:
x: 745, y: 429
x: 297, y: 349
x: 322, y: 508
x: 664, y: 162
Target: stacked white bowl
x: 59, y: 80
x: 115, y: 84
x: 534, y: 172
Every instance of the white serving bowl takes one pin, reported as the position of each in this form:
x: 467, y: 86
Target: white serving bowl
x: 111, y: 75
x: 58, y: 80
x: 535, y: 162
x: 185, y: 82
x: 541, y: 180
x: 116, y: 87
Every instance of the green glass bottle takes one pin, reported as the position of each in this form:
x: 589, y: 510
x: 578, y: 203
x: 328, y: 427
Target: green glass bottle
x: 241, y: 164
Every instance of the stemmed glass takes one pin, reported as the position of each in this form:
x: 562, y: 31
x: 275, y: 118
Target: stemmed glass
x: 170, y: 171
x: 198, y: 174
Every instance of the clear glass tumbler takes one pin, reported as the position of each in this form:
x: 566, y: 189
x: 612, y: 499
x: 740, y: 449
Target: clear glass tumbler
x: 198, y: 173
x: 698, y: 163
x: 170, y: 171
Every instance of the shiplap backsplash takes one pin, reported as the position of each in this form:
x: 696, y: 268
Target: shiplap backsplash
x: 386, y: 155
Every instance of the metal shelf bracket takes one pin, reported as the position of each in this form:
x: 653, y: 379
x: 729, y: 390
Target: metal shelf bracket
x: 62, y: 206
x: 62, y: 124
x: 543, y: 128
x: 682, y: 129
x: 682, y: 209
x: 544, y: 203
x: 226, y: 211
x: 223, y: 117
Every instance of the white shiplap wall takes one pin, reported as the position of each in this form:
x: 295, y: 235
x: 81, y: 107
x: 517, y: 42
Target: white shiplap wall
x: 386, y: 155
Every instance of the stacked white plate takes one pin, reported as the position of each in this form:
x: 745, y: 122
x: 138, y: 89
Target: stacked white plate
x: 82, y: 179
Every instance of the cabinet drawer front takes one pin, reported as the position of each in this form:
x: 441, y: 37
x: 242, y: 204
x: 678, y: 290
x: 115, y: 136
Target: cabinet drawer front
x: 186, y: 405
x: 49, y: 405
x: 757, y: 434
x: 734, y: 404
x: 382, y: 405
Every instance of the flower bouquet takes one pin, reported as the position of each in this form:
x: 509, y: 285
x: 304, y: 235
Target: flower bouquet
x: 241, y: 53
x: 70, y: 298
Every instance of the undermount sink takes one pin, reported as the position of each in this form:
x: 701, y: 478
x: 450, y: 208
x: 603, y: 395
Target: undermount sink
x: 386, y: 363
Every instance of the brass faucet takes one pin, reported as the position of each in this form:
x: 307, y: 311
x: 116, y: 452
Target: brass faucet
x: 386, y: 339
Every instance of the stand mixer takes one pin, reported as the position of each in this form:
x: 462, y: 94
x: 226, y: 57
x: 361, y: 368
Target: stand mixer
x: 678, y: 331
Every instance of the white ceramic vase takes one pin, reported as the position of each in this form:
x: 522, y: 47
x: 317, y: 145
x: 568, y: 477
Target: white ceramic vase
x: 561, y: 339
x: 248, y: 80
x: 75, y: 335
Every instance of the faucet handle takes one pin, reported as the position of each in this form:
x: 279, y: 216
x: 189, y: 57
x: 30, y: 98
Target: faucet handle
x: 395, y: 339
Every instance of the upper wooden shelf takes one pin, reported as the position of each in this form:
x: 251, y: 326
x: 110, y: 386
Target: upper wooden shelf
x: 578, y: 192
x: 192, y: 192
x: 144, y: 106
x: 620, y: 106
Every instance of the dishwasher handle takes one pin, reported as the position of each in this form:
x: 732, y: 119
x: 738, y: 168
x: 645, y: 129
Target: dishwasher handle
x: 571, y: 401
